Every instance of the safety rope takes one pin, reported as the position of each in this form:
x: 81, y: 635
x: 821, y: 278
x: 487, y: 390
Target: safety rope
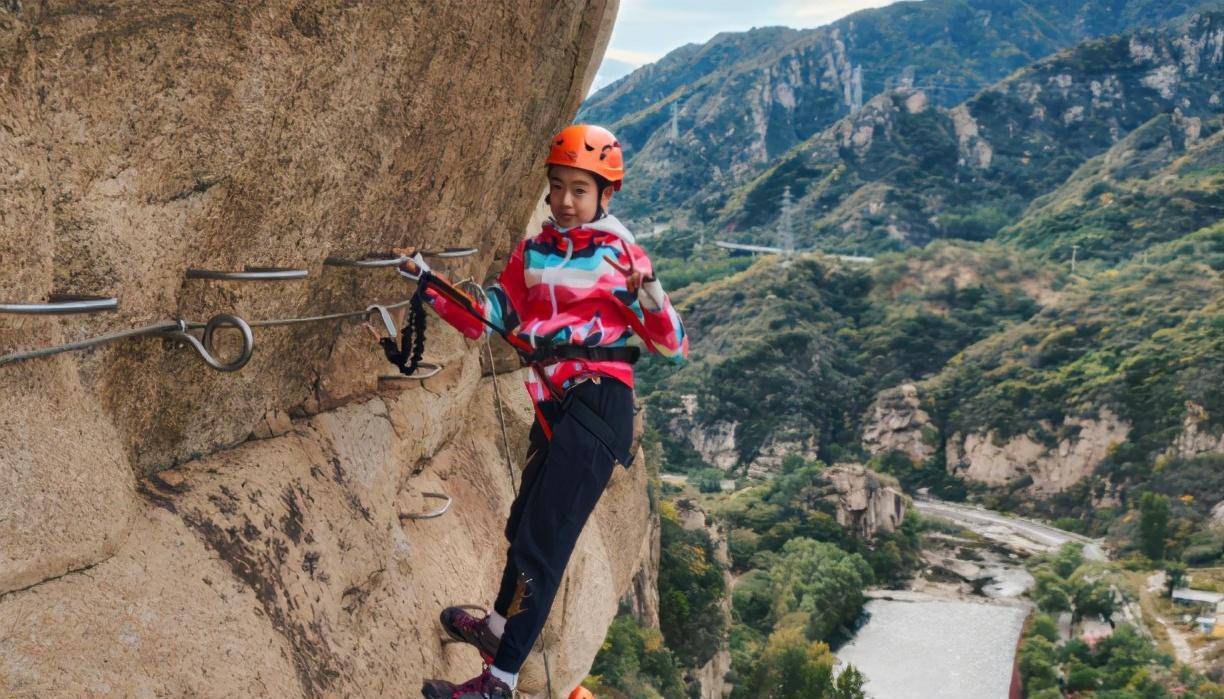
x: 178, y: 328
x: 501, y: 419
x: 480, y: 294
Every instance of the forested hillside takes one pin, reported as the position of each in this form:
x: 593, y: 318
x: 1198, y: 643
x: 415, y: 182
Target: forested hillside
x: 1033, y: 319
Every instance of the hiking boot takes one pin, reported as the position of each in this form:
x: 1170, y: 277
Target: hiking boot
x: 483, y: 686
x: 465, y: 628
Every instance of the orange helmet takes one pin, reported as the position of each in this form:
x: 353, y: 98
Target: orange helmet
x: 590, y: 148
x: 581, y: 692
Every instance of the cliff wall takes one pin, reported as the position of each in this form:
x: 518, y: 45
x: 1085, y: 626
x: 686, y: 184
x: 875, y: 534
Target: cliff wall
x: 166, y: 529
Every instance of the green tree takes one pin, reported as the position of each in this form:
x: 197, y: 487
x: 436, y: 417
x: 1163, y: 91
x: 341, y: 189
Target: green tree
x: 792, y: 667
x: 1093, y: 598
x: 708, y: 480
x: 1153, y: 524
x: 1044, y: 625
x: 1051, y: 593
x: 691, y: 588
x: 751, y: 601
x: 820, y: 585
x: 635, y: 661
x: 1069, y: 557
x: 1175, y: 576
x: 1038, y: 663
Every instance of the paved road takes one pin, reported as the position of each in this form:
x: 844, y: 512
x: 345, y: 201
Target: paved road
x: 1008, y: 529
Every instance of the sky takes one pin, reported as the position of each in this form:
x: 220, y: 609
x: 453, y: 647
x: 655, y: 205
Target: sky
x: 645, y: 30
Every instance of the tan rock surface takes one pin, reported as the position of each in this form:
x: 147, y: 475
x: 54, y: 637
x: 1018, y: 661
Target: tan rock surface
x: 978, y: 457
x: 867, y: 502
x: 282, y: 568
x: 897, y: 422
x: 140, y: 139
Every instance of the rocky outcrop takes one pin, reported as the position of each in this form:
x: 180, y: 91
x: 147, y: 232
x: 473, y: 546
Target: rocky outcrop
x: 897, y: 422
x: 993, y: 462
x: 1197, y: 436
x: 289, y: 562
x: 712, y: 676
x: 867, y: 502
x: 717, y: 445
x: 166, y: 529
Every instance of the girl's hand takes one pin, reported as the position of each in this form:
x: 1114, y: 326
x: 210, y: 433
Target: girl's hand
x: 633, y: 277
x: 408, y: 265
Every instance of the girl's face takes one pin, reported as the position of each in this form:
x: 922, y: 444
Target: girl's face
x: 573, y: 196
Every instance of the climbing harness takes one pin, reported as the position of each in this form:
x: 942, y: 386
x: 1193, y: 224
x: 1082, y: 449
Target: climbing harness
x: 534, y: 357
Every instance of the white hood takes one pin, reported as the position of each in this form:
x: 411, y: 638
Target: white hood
x: 607, y: 224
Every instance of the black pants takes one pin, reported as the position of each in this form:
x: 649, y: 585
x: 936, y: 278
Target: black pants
x: 562, y: 481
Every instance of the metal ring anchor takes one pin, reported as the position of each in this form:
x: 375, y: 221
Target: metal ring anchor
x: 250, y: 274
x: 61, y: 304
x: 430, y: 515
x: 205, y: 348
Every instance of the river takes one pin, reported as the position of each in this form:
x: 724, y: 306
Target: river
x: 952, y: 633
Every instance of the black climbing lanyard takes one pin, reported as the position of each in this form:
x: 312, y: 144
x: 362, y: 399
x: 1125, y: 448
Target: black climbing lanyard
x: 407, y: 355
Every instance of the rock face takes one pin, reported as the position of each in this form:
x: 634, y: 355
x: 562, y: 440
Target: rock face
x: 982, y: 458
x: 717, y: 445
x: 170, y: 530
x: 1196, y: 436
x: 867, y: 502
x: 897, y: 422
x: 712, y: 675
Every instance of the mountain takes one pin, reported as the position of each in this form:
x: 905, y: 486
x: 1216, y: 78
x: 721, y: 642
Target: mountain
x: 902, y: 171
x: 744, y: 99
x: 1162, y: 181
x: 986, y: 367
x: 787, y: 357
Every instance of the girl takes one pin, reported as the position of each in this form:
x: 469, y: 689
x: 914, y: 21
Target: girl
x: 571, y: 297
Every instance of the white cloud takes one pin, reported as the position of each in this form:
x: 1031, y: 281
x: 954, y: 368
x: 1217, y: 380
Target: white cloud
x: 646, y: 30
x: 810, y: 13
x: 637, y: 58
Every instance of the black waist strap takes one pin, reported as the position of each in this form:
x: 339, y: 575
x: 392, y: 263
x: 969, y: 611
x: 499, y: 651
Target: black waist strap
x: 598, y: 427
x: 594, y: 354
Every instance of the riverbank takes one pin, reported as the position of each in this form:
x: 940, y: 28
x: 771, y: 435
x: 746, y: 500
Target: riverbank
x: 952, y: 632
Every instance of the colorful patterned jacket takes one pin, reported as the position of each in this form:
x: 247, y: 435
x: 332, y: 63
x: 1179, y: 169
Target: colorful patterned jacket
x: 558, y: 287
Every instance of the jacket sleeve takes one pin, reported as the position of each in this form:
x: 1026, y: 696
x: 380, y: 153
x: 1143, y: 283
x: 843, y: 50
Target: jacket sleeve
x: 503, y: 299
x: 661, y: 325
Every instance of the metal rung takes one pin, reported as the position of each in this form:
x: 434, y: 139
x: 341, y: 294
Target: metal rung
x: 61, y: 304
x: 371, y: 260
x: 430, y: 515
x: 424, y: 371
x: 375, y: 260
x: 450, y: 252
x: 250, y: 274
